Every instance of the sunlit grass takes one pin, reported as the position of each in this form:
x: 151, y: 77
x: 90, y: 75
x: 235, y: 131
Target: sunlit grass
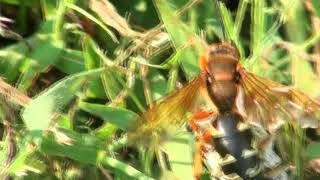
x: 114, y: 65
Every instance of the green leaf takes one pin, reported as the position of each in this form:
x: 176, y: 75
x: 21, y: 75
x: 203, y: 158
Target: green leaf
x: 86, y: 149
x: 26, y: 149
x: 302, y: 71
x: 180, y: 155
x: 45, y: 54
x: 122, y: 118
x: 230, y: 28
x: 97, y: 21
x: 143, y: 61
x: 110, y: 84
x: 313, y: 151
x: 181, y: 35
x: 125, y: 168
x: 11, y: 59
x: 71, y: 61
x: 158, y: 84
x: 92, y: 60
x: 65, y: 122
x: 316, y: 6
x: 18, y: 2
x: 80, y: 147
x: 33, y: 51
x: 106, y: 131
x: 39, y: 113
x: 3, y: 155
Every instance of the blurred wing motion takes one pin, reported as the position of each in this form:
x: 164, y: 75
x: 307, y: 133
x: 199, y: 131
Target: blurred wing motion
x: 165, y: 117
x: 270, y: 104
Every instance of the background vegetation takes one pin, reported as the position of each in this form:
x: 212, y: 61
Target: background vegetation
x: 91, y: 67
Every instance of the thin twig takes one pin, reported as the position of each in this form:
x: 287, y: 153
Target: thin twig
x: 106, y: 173
x: 9, y: 131
x: 315, y: 24
x: 130, y: 83
x: 11, y: 94
x: 146, y: 85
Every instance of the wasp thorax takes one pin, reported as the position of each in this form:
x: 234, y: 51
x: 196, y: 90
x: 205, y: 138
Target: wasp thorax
x: 222, y: 75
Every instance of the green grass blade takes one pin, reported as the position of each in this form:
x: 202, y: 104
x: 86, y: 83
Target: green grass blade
x: 181, y: 36
x: 39, y: 113
x: 97, y: 21
x: 120, y: 117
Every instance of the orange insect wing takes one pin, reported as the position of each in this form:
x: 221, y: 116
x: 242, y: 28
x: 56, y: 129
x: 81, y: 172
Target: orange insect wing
x: 165, y: 117
x: 270, y: 104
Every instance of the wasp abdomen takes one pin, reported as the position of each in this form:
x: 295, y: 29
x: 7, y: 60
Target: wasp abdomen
x: 237, y: 144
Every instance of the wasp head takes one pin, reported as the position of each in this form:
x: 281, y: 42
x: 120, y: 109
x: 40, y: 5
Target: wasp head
x: 219, y: 57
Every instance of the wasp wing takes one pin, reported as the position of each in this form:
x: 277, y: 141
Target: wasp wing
x: 270, y: 104
x: 165, y: 117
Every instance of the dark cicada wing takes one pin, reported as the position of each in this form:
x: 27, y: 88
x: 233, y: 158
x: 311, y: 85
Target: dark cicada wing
x: 270, y: 104
x: 167, y: 116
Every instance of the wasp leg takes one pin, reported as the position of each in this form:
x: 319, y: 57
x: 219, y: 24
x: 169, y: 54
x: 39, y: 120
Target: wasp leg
x: 213, y: 161
x: 203, y: 63
x: 279, y: 172
x: 209, y: 156
x: 201, y: 125
x: 197, y: 164
x: 271, y: 160
x: 200, y: 121
x: 194, y: 125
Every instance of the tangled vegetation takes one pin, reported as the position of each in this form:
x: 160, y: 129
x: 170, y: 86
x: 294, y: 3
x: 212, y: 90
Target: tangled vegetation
x: 81, y: 73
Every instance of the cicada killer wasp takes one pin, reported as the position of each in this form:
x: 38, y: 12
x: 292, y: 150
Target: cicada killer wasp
x: 245, y: 105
